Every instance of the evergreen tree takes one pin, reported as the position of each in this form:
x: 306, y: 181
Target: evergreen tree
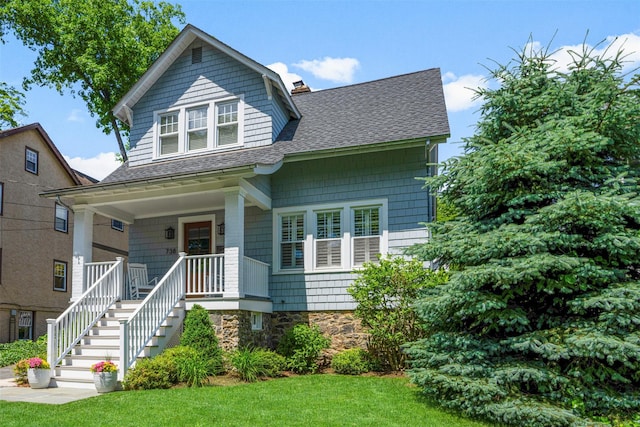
x: 539, y: 322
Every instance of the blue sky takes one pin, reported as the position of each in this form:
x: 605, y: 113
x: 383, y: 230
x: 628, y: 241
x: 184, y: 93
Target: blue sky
x: 334, y: 43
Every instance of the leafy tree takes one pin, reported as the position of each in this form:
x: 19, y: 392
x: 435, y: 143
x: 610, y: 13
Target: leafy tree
x: 385, y: 293
x: 11, y: 103
x: 445, y: 211
x: 95, y: 48
x: 539, y: 322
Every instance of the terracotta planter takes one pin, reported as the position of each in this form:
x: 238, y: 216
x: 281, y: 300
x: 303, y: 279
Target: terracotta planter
x: 38, y: 378
x: 105, y: 382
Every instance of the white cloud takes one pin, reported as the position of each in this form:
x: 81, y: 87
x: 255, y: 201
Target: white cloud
x: 338, y: 70
x: 97, y: 167
x: 76, y: 115
x: 628, y: 43
x: 287, y: 77
x: 459, y: 91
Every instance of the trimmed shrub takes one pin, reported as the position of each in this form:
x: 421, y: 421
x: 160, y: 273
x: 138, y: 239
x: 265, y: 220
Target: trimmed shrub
x: 199, y: 334
x: 354, y: 361
x: 14, y: 352
x: 272, y: 362
x: 301, y: 345
x: 159, y: 372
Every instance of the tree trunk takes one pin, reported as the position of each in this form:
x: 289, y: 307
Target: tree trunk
x: 116, y: 129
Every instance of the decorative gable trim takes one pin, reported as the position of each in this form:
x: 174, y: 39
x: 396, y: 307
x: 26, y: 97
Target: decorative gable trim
x: 175, y: 49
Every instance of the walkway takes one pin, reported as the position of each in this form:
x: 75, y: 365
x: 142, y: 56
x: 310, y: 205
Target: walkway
x: 10, y: 392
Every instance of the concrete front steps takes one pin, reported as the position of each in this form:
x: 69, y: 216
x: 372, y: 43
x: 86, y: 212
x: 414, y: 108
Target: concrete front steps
x: 103, y: 343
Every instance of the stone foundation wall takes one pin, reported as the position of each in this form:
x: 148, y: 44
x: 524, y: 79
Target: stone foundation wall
x: 344, y: 329
x: 233, y: 329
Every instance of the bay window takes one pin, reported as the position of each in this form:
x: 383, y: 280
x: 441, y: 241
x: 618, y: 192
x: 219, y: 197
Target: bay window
x: 197, y: 127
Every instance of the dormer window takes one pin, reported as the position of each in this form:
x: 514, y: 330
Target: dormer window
x: 199, y: 127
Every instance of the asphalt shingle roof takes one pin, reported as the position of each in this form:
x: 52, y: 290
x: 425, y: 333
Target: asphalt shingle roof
x: 405, y: 107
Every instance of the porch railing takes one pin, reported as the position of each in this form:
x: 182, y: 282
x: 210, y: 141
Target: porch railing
x: 139, y: 329
x: 93, y: 271
x: 205, y: 275
x: 256, y: 278
x: 68, y: 329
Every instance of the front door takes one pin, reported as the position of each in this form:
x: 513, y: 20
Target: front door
x: 198, y: 241
x: 197, y: 238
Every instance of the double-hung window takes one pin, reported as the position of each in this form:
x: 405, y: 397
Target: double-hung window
x: 59, y: 276
x: 62, y: 218
x: 328, y: 239
x: 366, y: 235
x: 197, y: 127
x: 292, y: 237
x: 227, y: 123
x: 168, y: 133
x: 31, y: 160
x: 331, y: 237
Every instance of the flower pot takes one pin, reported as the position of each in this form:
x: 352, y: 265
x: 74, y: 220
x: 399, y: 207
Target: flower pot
x: 38, y: 378
x: 105, y: 381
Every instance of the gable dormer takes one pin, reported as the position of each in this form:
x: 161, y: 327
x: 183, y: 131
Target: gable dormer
x: 202, y: 97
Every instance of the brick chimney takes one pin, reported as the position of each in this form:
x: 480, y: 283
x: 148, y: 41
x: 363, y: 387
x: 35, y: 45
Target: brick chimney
x: 299, y: 87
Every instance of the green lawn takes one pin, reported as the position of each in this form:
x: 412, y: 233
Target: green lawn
x: 309, y: 401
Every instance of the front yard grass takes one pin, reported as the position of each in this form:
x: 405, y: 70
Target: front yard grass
x: 310, y: 400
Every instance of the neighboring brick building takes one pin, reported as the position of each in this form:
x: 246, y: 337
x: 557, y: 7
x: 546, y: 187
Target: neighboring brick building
x: 36, y: 234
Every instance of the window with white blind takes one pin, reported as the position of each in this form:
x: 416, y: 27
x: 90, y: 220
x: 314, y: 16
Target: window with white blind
x: 328, y: 239
x: 292, y: 236
x: 197, y: 127
x: 323, y: 238
x: 366, y: 235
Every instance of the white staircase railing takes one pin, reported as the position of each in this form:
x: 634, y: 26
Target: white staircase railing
x: 139, y: 329
x: 256, y: 278
x: 71, y: 326
x: 93, y: 271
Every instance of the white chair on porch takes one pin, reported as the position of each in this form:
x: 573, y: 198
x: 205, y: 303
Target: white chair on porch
x: 139, y: 283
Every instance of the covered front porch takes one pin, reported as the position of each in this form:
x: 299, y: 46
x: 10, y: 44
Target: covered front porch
x: 200, y: 219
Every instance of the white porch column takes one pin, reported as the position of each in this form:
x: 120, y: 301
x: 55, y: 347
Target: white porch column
x: 82, y: 241
x: 233, y: 241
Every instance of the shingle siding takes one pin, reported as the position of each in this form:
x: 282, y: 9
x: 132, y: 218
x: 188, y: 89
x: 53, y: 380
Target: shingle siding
x: 385, y: 175
x: 217, y: 76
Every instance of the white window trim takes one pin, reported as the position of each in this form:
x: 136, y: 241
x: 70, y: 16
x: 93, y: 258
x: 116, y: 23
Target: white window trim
x: 212, y: 117
x: 347, y: 224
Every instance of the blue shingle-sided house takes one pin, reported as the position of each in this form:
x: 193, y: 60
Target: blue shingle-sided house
x: 253, y: 201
